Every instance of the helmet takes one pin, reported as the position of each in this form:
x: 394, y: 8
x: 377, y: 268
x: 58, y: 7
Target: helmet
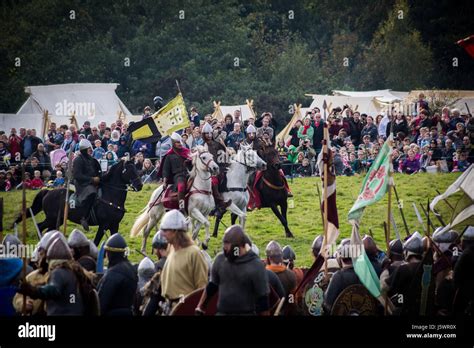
x: 235, y: 235
x: 174, y: 220
x: 176, y: 137
x: 206, y: 128
x: 396, y: 247
x: 413, y: 245
x: 11, y: 239
x: 317, y: 244
x: 84, y: 144
x: 369, y: 245
x: 468, y: 233
x: 59, y: 250
x: 273, y: 249
x: 251, y: 129
x: 288, y: 254
x: 116, y: 244
x: 77, y: 239
x: 146, y: 266
x: 158, y: 102
x: 159, y: 241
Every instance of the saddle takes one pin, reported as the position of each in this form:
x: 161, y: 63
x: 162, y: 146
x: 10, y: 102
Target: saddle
x: 170, y: 196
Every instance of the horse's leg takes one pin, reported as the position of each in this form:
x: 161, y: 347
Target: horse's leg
x: 280, y: 217
x: 243, y: 218
x: 216, y: 226
x: 284, y: 208
x: 201, y: 220
x: 99, y: 235
x: 155, y: 215
x: 233, y: 218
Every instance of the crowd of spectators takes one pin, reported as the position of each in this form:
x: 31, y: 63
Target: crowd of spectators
x: 423, y: 141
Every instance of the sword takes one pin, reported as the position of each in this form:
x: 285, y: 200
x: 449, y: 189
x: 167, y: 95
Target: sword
x: 397, y: 232
x: 38, y: 232
x: 419, y: 218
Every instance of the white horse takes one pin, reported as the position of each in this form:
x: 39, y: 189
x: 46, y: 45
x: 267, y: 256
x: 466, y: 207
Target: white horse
x: 241, y: 166
x: 200, y: 201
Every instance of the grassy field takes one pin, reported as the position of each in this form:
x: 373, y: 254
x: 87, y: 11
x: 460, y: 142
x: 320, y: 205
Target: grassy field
x: 304, y: 218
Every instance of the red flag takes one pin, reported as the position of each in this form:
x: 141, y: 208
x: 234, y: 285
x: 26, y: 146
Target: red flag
x: 468, y: 45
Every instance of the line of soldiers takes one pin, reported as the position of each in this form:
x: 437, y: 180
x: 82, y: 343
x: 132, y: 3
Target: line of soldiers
x: 421, y: 276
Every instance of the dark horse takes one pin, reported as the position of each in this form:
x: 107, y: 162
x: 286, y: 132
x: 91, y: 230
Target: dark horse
x: 271, y: 187
x: 108, y: 209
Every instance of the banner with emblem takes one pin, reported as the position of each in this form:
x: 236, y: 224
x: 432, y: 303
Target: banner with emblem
x: 170, y: 118
x: 376, y: 182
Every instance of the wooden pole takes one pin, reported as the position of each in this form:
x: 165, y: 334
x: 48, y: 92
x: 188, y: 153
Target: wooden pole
x: 23, y: 224
x: 390, y: 179
x: 177, y: 85
x: 325, y: 185
x: 68, y: 180
x: 401, y: 211
x: 320, y: 202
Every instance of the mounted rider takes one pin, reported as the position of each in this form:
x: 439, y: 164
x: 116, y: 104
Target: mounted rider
x: 259, y: 144
x: 251, y: 138
x: 174, y: 168
x: 86, y: 174
x: 219, y: 151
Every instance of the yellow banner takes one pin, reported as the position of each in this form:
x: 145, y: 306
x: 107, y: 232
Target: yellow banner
x: 172, y: 117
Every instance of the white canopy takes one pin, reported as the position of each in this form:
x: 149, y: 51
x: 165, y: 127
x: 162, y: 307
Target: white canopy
x: 362, y: 104
x: 382, y: 95
x: 92, y: 102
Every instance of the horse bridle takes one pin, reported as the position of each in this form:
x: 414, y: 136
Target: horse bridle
x: 205, y: 164
x: 133, y: 182
x: 248, y: 168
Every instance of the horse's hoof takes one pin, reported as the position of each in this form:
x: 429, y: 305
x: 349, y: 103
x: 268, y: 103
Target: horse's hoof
x: 289, y: 235
x: 204, y: 246
x: 214, y: 235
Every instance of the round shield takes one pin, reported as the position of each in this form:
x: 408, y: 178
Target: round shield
x: 188, y: 304
x: 355, y: 300
x: 314, y: 294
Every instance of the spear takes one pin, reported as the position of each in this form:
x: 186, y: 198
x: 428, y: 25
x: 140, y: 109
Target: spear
x: 401, y: 211
x: 427, y: 214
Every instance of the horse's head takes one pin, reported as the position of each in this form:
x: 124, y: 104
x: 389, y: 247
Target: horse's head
x: 249, y: 157
x: 203, y: 161
x: 271, y: 156
x: 129, y: 174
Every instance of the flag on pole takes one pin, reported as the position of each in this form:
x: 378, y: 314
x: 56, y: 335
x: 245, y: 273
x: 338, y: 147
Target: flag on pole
x: 376, y: 182
x: 170, y: 118
x: 463, y: 183
x: 362, y: 265
x: 333, y: 218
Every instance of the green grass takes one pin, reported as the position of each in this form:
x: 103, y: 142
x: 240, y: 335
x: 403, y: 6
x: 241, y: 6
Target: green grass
x: 304, y: 218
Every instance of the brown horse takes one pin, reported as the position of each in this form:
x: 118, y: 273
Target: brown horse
x: 272, y: 187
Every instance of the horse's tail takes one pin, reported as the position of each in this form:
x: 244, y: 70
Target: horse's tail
x: 36, y: 206
x: 142, y: 220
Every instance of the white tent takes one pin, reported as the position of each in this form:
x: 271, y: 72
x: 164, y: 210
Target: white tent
x: 382, y: 95
x: 463, y: 97
x: 33, y: 121
x: 362, y: 104
x: 299, y: 114
x: 92, y: 102
x: 246, y: 110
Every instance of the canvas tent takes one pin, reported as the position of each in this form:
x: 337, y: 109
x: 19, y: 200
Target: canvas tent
x: 463, y: 97
x: 62, y: 104
x: 299, y: 114
x: 246, y: 110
